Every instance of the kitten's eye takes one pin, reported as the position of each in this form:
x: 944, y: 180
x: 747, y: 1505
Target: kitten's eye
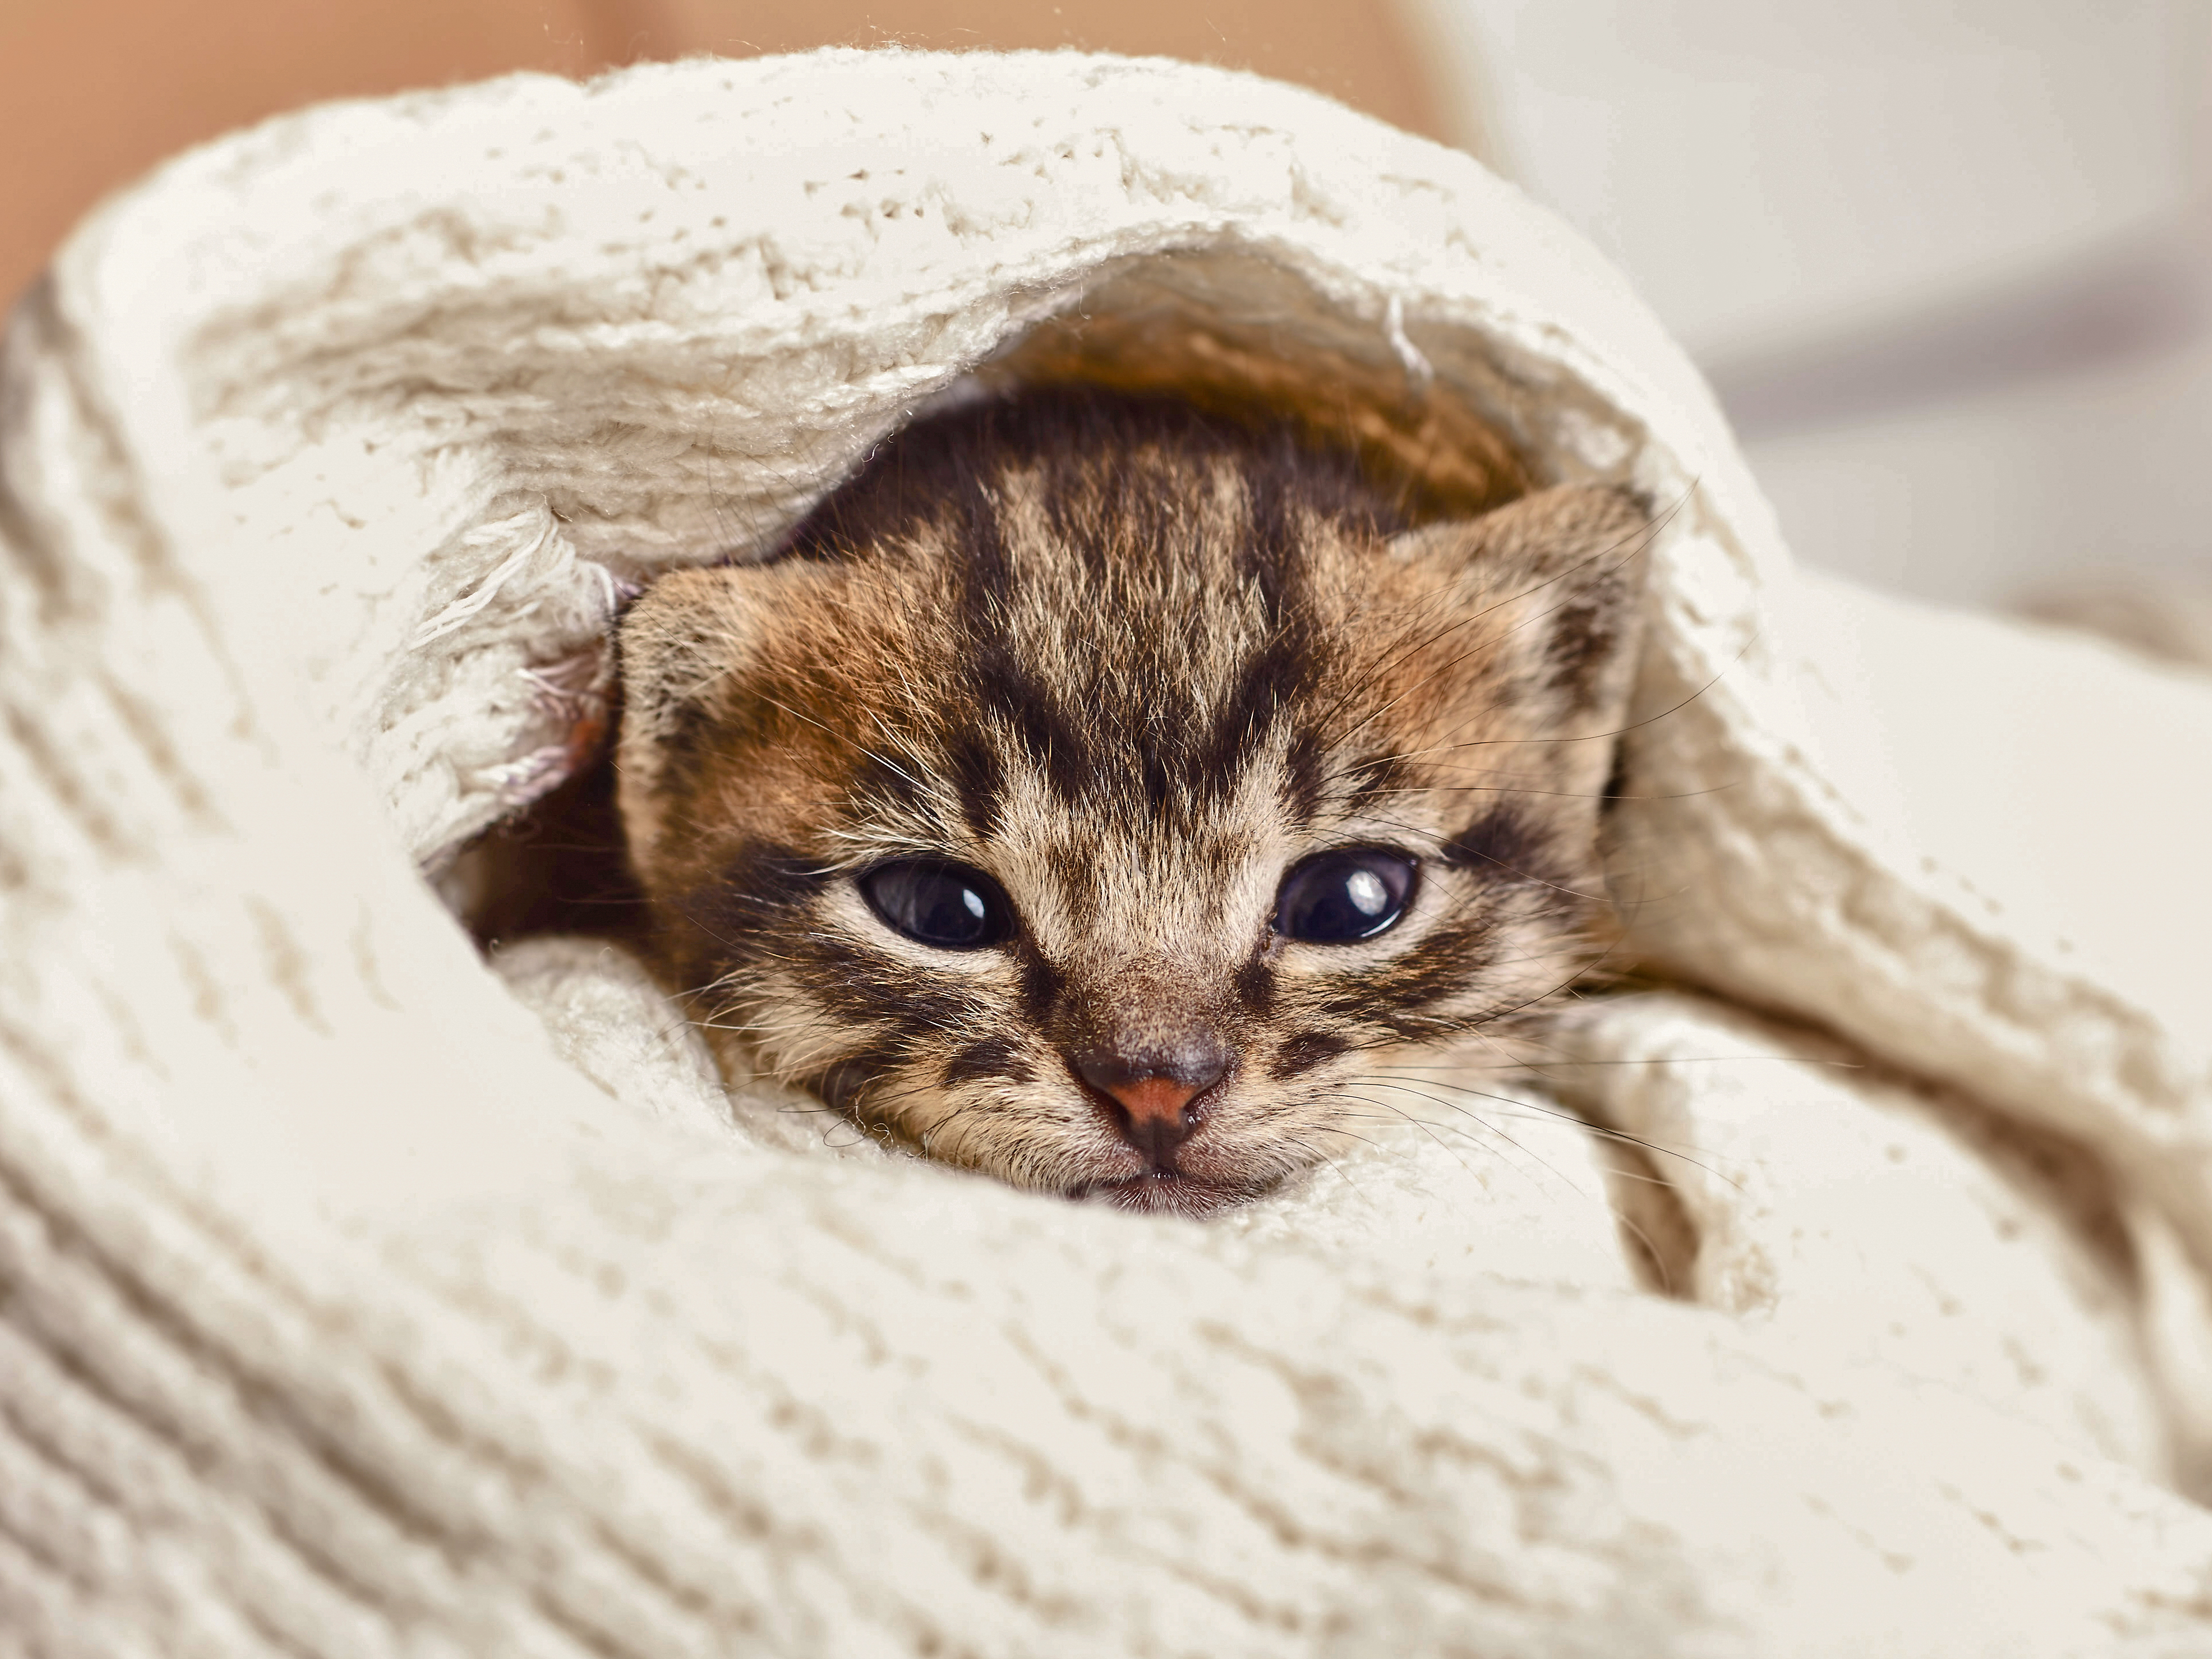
x: 946, y: 905
x: 1347, y: 893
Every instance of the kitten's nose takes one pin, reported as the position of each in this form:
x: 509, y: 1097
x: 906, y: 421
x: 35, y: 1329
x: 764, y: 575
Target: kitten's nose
x: 1154, y: 1088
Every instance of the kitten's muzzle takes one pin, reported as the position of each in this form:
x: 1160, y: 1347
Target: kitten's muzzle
x: 1154, y: 1095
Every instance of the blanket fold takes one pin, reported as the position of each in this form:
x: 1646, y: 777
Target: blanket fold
x: 361, y: 1297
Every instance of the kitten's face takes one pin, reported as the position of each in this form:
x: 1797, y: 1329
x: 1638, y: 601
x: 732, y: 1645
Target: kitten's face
x: 1094, y: 792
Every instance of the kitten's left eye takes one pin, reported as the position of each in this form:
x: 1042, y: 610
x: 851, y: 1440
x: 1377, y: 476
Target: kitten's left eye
x: 1345, y: 894
x: 947, y: 905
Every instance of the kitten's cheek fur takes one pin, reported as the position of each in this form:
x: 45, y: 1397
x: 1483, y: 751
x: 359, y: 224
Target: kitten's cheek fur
x: 1043, y: 1141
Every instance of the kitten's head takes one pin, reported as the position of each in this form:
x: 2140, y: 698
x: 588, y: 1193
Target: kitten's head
x: 1093, y: 788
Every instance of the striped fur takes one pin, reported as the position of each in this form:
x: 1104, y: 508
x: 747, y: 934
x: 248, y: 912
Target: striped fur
x: 1132, y: 661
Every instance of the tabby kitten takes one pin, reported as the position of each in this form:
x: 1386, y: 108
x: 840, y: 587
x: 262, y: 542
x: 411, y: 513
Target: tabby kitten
x: 1092, y: 787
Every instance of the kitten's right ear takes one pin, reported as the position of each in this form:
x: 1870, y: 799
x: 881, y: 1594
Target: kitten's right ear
x: 684, y: 632
x: 679, y: 649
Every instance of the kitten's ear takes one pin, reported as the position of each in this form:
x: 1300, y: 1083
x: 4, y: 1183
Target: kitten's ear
x: 681, y: 647
x: 685, y: 631
x: 1536, y: 612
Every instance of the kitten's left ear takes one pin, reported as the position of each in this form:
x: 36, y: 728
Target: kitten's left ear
x: 1547, y: 591
x: 1529, y: 622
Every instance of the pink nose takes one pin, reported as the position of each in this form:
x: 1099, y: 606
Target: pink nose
x: 1156, y: 1100
x: 1154, y: 1095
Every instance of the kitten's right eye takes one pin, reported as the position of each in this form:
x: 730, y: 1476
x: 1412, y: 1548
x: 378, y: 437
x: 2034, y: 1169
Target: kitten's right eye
x: 947, y: 905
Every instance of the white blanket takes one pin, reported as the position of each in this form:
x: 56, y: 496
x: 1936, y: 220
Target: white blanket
x: 360, y: 1298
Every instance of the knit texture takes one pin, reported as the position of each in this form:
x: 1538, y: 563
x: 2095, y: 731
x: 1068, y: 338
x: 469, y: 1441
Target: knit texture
x: 362, y: 1298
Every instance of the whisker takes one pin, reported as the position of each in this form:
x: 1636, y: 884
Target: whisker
x: 1533, y: 1109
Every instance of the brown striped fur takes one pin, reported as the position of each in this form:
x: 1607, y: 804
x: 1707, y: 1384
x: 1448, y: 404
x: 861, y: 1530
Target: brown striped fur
x: 1131, y: 660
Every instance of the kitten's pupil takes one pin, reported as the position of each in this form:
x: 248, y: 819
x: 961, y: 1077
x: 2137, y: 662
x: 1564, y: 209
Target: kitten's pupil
x: 945, y: 905
x: 1347, y: 894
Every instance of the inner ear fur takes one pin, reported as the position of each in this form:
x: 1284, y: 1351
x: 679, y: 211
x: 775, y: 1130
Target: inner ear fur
x: 683, y: 648
x: 1532, y: 615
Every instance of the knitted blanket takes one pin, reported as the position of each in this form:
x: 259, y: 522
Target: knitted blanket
x: 359, y: 1297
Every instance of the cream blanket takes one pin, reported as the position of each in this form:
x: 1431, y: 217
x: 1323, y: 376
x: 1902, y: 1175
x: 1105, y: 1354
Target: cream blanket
x: 357, y: 1298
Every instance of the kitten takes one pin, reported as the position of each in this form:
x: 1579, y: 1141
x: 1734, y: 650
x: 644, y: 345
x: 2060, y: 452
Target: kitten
x: 1093, y: 786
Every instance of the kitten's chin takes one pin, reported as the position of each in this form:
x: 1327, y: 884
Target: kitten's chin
x: 1156, y: 1194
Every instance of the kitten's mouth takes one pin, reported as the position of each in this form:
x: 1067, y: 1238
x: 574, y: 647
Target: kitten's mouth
x: 1161, y: 1192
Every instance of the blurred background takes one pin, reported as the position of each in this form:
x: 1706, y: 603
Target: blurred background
x: 1946, y: 261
